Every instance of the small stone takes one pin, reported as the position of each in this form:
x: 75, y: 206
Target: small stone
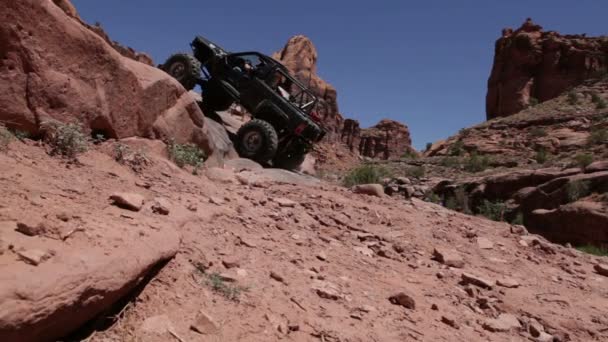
x: 434, y: 307
x: 157, y: 324
x: 227, y: 277
x: 161, y: 206
x: 216, y: 200
x: 144, y: 185
x: 128, y: 201
x: 504, y: 322
x: 535, y: 328
x: 369, y: 189
x: 204, y: 324
x: 484, y: 243
x: 468, y: 278
x: 508, y: 283
x: 519, y: 230
x: 241, y: 272
x: 544, y: 337
x: 192, y: 207
x: 403, y: 299
x: 34, y: 256
x: 31, y: 227
x: 63, y: 216
x: 403, y: 180
x: 277, y: 277
x: 448, y: 257
x: 449, y: 321
x: 365, y: 251
x: 228, y: 263
x: 247, y: 243
x: 601, y: 269
x: 440, y: 275
x: 322, y: 256
x: 327, y: 290
x: 284, y: 202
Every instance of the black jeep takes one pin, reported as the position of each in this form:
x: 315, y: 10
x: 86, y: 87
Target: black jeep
x: 284, y: 125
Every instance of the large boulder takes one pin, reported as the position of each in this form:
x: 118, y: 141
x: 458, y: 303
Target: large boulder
x: 388, y: 139
x: 54, y: 67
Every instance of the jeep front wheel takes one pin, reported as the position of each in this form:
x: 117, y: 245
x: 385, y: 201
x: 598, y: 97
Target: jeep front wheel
x: 257, y: 140
x: 185, y: 68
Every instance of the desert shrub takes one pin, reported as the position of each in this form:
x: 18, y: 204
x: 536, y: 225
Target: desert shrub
x: 136, y: 160
x: 66, y: 140
x: 476, y: 163
x: 538, y: 132
x: 492, y: 210
x: 415, y: 172
x: 5, y: 138
x: 598, y: 136
x: 366, y: 174
x: 600, y: 103
x: 541, y: 156
x: 457, y: 148
x: 583, y: 159
x: 452, y: 162
x: 432, y: 197
x: 186, y: 154
x: 572, y: 98
x: 464, y: 132
x: 595, y: 250
x: 577, y: 190
x: 217, y: 283
x: 409, y: 155
x: 533, y: 101
x: 428, y: 146
x: 21, y: 135
x: 518, y: 219
x: 459, y: 201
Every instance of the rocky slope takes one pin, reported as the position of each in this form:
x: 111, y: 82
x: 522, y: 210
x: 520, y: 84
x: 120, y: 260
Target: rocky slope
x: 533, y: 65
x: 346, y: 140
x: 289, y: 256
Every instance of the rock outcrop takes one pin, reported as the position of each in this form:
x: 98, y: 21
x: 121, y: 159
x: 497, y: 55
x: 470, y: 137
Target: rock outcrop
x: 530, y: 63
x: 388, y: 139
x: 54, y: 67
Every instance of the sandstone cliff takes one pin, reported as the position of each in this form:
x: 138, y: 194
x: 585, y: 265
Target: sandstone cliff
x: 532, y: 65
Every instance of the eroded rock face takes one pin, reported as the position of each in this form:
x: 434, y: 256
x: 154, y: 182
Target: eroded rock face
x: 532, y: 63
x: 53, y: 67
x: 386, y: 140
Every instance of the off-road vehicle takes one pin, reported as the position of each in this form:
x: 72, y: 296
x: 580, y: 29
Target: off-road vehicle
x: 284, y: 126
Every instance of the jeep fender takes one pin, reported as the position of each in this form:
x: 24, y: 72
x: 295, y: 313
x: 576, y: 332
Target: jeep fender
x: 270, y: 112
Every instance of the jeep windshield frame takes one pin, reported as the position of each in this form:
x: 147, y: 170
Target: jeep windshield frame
x: 301, y: 97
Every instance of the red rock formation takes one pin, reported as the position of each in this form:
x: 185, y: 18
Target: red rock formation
x: 52, y: 67
x: 388, y: 139
x: 351, y: 134
x: 532, y: 63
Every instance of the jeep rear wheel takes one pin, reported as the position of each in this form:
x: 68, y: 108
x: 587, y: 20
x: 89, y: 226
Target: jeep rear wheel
x: 185, y: 68
x: 289, y: 161
x: 257, y: 140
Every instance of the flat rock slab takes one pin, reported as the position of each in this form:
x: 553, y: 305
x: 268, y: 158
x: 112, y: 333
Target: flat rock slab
x: 504, y: 322
x: 39, y: 303
x: 129, y: 201
x: 448, y: 257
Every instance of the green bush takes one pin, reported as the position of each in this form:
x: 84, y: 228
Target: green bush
x: 538, y: 132
x: 5, y: 138
x: 409, y: 155
x: 428, y: 146
x: 533, y: 101
x: 415, y: 171
x: 476, y: 163
x: 576, y: 190
x: 518, y: 219
x: 492, y: 210
x: 432, y: 197
x: 186, y: 154
x: 452, y: 162
x: 601, y: 104
x: 595, y: 250
x: 457, y: 148
x: 458, y: 201
x: 541, y: 156
x: 365, y: 174
x: 583, y: 159
x: 136, y: 160
x: 66, y: 140
x: 572, y: 98
x: 217, y: 283
x: 598, y: 136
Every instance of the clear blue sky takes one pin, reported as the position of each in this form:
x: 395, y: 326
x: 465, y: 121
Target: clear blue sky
x: 423, y: 63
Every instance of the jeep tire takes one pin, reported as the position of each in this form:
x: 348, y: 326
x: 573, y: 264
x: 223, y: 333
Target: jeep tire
x: 289, y: 161
x: 257, y: 140
x: 185, y: 68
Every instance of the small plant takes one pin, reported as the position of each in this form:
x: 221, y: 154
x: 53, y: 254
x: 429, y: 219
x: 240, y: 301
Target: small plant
x: 452, y: 162
x: 428, y: 146
x: 5, y: 138
x: 432, y: 197
x: 21, y: 135
x: 578, y: 189
x: 598, y: 136
x: 186, y: 154
x: 583, y: 159
x: 217, y: 283
x: 136, y: 160
x: 365, y: 174
x: 538, y: 132
x: 494, y: 211
x: 541, y: 156
x: 518, y: 219
x: 595, y: 250
x: 464, y: 132
x: 415, y: 172
x: 476, y: 163
x: 457, y: 148
x: 458, y: 201
x: 600, y: 103
x: 572, y: 98
x: 409, y: 154
x: 533, y: 101
x: 66, y: 140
